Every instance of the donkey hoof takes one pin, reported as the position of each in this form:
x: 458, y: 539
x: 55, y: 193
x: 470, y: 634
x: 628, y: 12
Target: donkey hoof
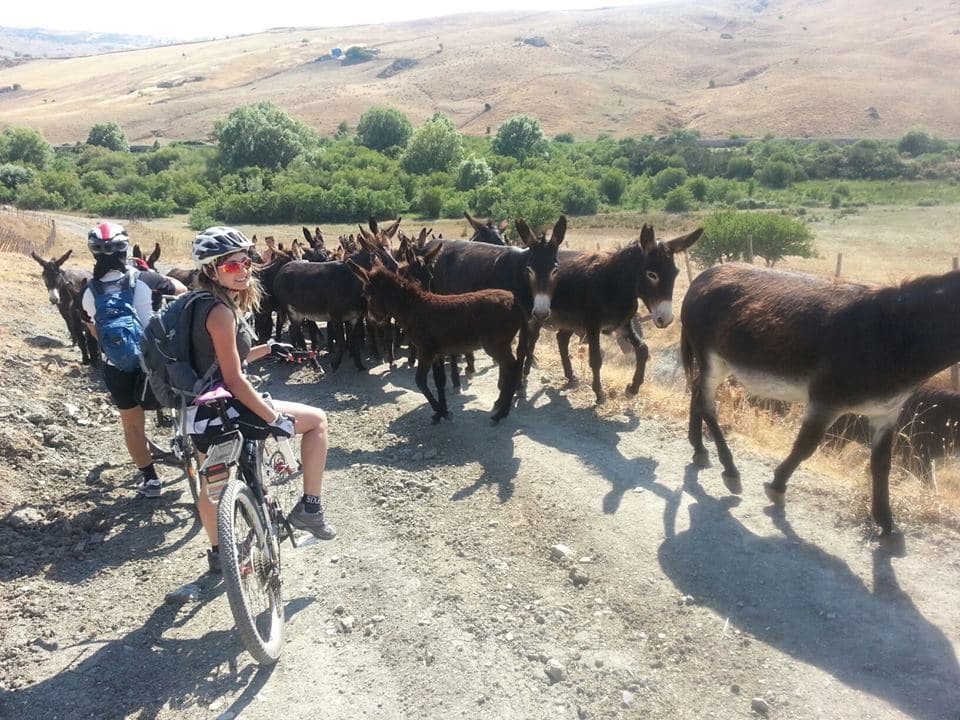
x: 777, y: 497
x: 732, y: 481
x: 893, y: 542
x: 633, y: 389
x: 701, y: 458
x: 435, y: 419
x: 601, y: 398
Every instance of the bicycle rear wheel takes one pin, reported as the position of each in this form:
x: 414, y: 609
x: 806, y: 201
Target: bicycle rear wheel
x: 251, y: 573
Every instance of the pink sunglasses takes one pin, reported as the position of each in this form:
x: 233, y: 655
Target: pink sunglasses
x: 233, y: 267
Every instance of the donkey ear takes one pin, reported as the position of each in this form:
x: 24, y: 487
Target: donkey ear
x: 154, y: 256
x: 392, y: 229
x: 307, y: 235
x: 559, y: 231
x: 526, y: 234
x: 430, y: 255
x: 358, y: 271
x: 366, y: 233
x: 254, y: 239
x: 137, y: 252
x: 63, y: 258
x: 647, y: 240
x: 38, y: 258
x: 476, y: 224
x: 684, y: 241
x: 318, y: 236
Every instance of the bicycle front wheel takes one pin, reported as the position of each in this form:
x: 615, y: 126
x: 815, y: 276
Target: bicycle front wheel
x: 251, y: 573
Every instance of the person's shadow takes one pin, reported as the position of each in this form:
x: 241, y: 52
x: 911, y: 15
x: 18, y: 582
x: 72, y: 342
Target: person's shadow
x: 106, y: 680
x: 795, y: 597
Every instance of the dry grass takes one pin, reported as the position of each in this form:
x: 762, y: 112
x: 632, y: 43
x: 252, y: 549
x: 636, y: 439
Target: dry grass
x: 793, y: 68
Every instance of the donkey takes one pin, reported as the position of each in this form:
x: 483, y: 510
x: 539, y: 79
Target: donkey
x: 188, y: 276
x: 486, y: 232
x: 446, y: 324
x: 65, y: 288
x: 318, y: 250
x: 597, y: 292
x: 839, y: 347
x: 927, y: 430
x: 327, y: 291
x: 529, y: 273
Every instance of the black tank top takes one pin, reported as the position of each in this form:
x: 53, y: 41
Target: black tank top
x: 202, y: 354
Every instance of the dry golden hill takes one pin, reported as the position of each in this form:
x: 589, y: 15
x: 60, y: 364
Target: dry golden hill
x: 823, y: 68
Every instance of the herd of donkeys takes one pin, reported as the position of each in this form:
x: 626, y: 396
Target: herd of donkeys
x: 860, y: 357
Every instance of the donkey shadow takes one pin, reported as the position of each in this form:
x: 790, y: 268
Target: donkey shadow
x: 145, y: 674
x: 623, y: 474
x: 778, y: 590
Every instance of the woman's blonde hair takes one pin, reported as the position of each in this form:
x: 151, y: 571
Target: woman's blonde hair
x: 243, y: 301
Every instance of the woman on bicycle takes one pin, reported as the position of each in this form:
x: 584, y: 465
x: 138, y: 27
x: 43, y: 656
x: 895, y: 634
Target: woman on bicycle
x: 220, y: 334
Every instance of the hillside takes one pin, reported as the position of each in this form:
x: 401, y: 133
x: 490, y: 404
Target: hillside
x: 19, y: 45
x: 852, y: 68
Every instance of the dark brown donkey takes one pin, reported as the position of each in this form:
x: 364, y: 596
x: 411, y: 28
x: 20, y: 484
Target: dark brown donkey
x: 927, y: 430
x: 64, y: 288
x: 530, y: 273
x: 438, y: 325
x: 597, y: 292
x: 839, y: 347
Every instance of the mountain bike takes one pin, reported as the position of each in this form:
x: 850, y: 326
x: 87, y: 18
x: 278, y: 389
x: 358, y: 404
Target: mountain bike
x: 246, y: 483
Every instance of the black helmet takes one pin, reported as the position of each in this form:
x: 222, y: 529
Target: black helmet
x: 107, y: 239
x: 216, y: 242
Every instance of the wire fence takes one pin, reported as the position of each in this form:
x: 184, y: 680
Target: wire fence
x: 12, y: 241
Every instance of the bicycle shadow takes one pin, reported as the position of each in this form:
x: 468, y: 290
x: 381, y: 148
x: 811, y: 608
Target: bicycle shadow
x: 146, y: 674
x: 780, y: 589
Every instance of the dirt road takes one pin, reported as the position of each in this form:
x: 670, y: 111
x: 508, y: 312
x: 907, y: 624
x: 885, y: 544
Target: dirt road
x: 447, y: 593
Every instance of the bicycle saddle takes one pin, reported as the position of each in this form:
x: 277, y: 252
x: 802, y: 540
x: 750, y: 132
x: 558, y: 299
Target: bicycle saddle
x: 217, y: 392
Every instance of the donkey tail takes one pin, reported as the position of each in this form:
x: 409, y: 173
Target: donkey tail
x: 686, y: 354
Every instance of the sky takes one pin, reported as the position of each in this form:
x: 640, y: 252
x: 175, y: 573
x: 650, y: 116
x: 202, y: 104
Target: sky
x: 183, y: 19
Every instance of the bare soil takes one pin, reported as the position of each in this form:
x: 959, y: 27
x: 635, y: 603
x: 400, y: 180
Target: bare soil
x: 445, y: 594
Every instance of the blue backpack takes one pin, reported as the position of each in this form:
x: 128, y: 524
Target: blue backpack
x: 118, y: 328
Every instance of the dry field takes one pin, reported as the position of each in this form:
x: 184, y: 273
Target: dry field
x: 836, y: 68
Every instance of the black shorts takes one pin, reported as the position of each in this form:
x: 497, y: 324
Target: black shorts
x: 122, y: 385
x: 210, y: 428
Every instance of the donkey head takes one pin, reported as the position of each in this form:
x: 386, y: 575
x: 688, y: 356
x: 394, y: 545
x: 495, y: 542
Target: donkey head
x: 52, y: 274
x: 150, y: 260
x: 657, y: 272
x: 417, y: 268
x: 541, y: 268
x: 369, y: 283
x: 485, y: 232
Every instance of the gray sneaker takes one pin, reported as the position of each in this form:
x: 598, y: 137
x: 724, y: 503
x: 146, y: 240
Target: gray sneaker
x: 151, y: 489
x: 313, y: 523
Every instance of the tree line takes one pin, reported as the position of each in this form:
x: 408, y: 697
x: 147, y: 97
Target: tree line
x: 269, y: 167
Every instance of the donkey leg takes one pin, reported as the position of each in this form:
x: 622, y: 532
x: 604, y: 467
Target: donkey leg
x: 421, y: 380
x: 596, y: 360
x: 510, y: 372
x: 471, y: 366
x: 454, y: 373
x: 356, y: 344
x: 701, y: 457
x: 337, y: 337
x: 533, y: 334
x: 880, y: 458
x: 563, y: 345
x: 816, y: 420
x: 642, y: 353
x: 440, y: 380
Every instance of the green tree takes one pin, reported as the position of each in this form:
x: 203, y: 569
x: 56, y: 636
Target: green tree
x: 12, y: 175
x: 109, y: 135
x: 473, y: 172
x: 739, y: 167
x: 382, y: 128
x: 520, y: 137
x: 919, y: 142
x: 97, y: 182
x: 680, y: 199
x: 613, y: 183
x: 261, y: 135
x: 580, y: 197
x: 776, y: 174
x: 25, y: 146
x: 726, y: 233
x: 666, y: 180
x: 435, y: 146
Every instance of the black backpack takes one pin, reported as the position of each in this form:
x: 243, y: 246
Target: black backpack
x: 166, y: 352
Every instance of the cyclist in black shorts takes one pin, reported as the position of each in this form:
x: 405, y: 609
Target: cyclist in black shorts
x: 109, y: 244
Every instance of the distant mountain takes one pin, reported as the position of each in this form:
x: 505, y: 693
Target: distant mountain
x: 791, y: 68
x: 20, y: 44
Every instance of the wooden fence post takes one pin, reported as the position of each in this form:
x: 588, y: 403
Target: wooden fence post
x: 686, y: 260
x: 750, y: 249
x: 839, y: 264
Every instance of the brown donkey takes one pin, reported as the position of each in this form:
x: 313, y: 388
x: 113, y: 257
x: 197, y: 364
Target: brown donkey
x: 838, y: 347
x: 439, y: 325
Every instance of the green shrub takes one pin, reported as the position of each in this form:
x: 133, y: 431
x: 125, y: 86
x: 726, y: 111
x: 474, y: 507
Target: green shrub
x: 775, y: 236
x: 613, y: 183
x: 580, y: 198
x: 679, y: 199
x: 666, y: 180
x: 34, y: 197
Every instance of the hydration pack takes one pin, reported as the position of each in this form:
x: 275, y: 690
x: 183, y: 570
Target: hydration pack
x: 166, y: 352
x: 118, y: 328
